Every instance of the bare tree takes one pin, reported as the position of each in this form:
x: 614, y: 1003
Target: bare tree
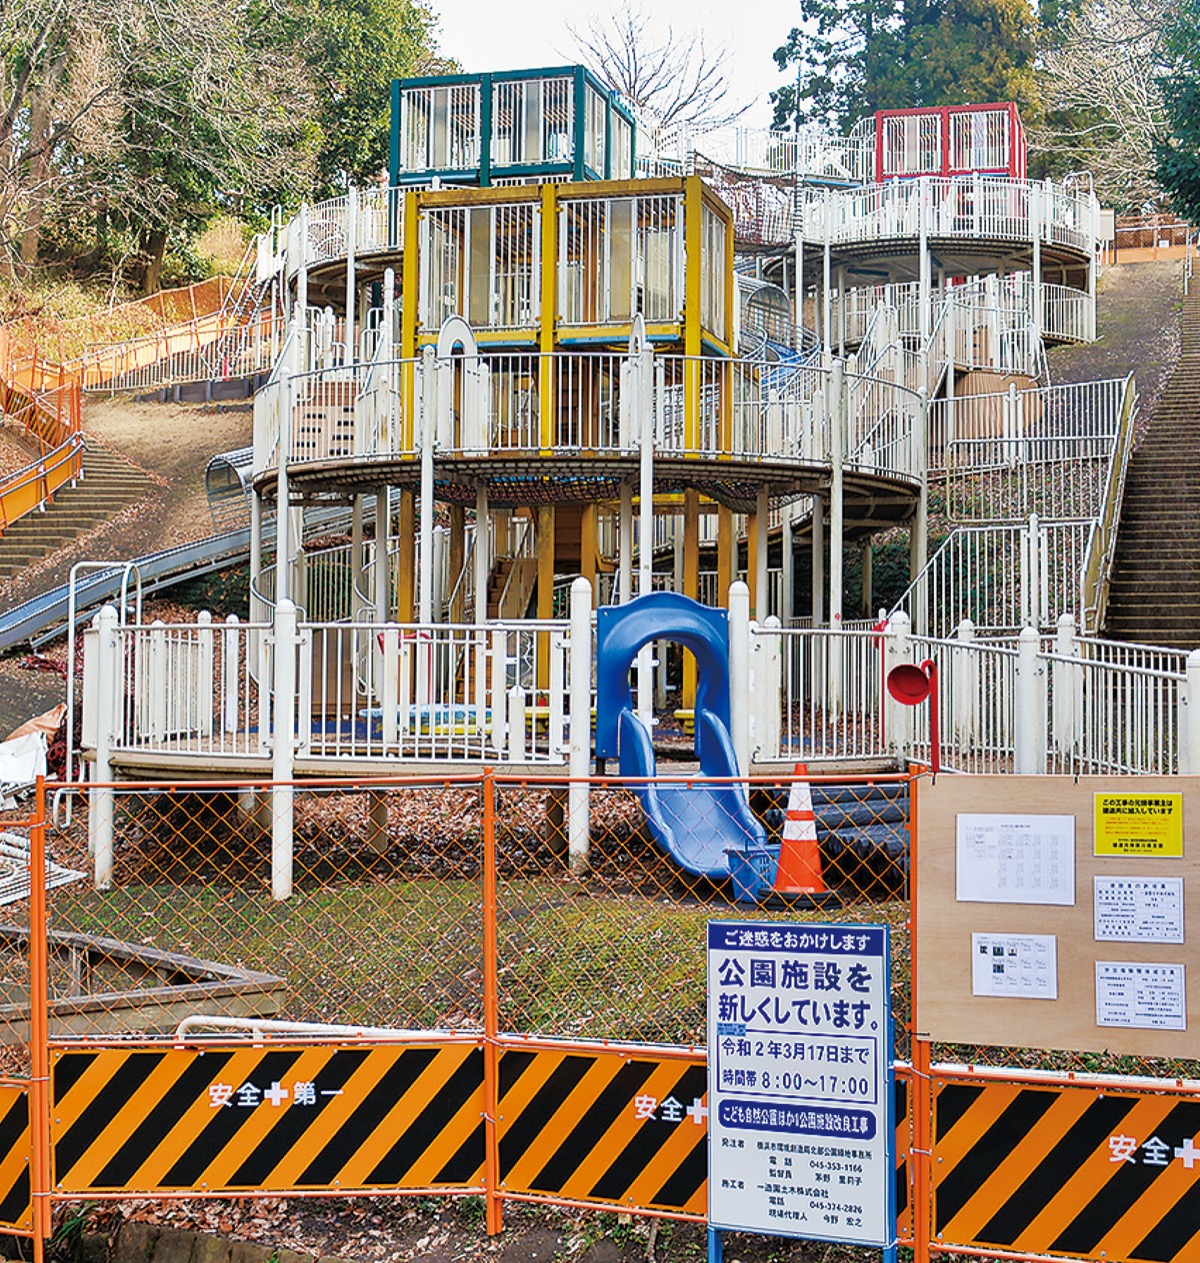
x: 1103, y: 99
x: 668, y: 78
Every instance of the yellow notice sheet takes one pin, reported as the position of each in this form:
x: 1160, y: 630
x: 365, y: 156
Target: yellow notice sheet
x: 1139, y: 824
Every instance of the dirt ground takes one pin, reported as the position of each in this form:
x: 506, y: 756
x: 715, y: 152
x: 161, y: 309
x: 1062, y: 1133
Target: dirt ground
x: 451, y: 1230
x: 1137, y: 319
x: 173, y: 444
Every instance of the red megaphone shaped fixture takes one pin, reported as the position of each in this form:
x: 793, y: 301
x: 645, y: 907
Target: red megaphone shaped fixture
x: 910, y: 685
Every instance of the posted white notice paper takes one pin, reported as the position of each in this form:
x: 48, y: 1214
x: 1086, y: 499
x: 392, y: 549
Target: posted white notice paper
x: 1139, y: 909
x: 1149, y: 997
x: 1015, y: 859
x: 1023, y: 966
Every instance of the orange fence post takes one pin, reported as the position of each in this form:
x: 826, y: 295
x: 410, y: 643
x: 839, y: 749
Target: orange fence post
x: 921, y: 1093
x: 491, y: 1013
x: 39, y: 1029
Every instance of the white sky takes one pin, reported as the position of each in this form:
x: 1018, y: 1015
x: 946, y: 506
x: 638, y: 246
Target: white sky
x: 493, y: 35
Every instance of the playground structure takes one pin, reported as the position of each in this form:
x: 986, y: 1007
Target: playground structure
x: 512, y: 406
x: 511, y: 383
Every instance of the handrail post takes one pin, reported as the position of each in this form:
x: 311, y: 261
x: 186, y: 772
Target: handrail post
x: 739, y: 674
x: 964, y: 682
x: 897, y: 718
x: 109, y: 675
x: 1029, y: 755
x: 1189, y: 720
x: 1065, y: 714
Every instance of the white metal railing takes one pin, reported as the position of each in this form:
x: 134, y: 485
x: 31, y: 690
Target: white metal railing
x: 979, y: 207
x: 453, y: 692
x: 489, y: 403
x: 1054, y: 704
x: 760, y: 151
x: 188, y: 688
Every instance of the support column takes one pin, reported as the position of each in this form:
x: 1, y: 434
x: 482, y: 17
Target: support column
x: 406, y: 554
x: 256, y: 543
x: 836, y: 502
x: 283, y: 517
x: 918, y: 539
x: 760, y: 603
x: 868, y: 565
x: 827, y: 281
x: 625, y: 546
x: 457, y: 517
x: 818, y: 561
x: 356, y: 551
x: 691, y: 583
x: 382, y: 584
x: 727, y: 550
x: 545, y: 587
x: 377, y: 821
x: 480, y: 555
x: 426, y: 569
x: 588, y: 546
x: 788, y: 561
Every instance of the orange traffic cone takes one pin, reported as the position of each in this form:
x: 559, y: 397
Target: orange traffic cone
x: 799, y: 871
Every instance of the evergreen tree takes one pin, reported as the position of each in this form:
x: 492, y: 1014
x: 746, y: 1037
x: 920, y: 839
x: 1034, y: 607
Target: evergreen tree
x: 1177, y: 151
x: 853, y: 57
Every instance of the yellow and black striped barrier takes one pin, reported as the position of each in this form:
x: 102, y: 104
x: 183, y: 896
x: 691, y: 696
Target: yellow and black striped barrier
x: 277, y: 1119
x: 614, y: 1128
x: 1075, y: 1171
x: 16, y: 1209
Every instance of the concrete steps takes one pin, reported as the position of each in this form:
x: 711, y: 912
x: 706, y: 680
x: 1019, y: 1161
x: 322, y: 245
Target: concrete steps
x: 109, y: 484
x: 1154, y: 595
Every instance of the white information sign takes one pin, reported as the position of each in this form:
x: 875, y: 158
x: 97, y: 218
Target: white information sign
x: 1015, y: 859
x: 800, y: 1127
x: 1139, y: 909
x: 1021, y: 965
x: 1149, y: 997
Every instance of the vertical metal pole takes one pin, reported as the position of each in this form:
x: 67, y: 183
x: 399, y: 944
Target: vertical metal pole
x: 426, y: 567
x: 482, y: 550
x: 625, y: 545
x: 921, y: 1093
x: 39, y: 1029
x: 110, y: 677
x: 283, y: 729
x: 818, y: 561
x: 283, y: 544
x: 578, y: 792
x: 837, y: 422
x: 382, y: 583
x: 644, y: 367
x: 739, y: 674
x: 351, y: 242
x: 494, y: 1213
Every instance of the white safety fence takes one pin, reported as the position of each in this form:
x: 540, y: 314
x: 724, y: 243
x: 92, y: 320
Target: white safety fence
x: 483, y: 403
x: 442, y: 692
x: 1032, y: 704
x: 964, y: 207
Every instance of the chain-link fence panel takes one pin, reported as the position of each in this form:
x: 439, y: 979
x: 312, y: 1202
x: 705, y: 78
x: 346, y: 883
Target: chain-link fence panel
x: 382, y: 927
x: 605, y: 892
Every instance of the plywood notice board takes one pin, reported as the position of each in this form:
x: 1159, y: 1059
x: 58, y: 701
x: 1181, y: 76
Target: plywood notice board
x: 947, y: 1008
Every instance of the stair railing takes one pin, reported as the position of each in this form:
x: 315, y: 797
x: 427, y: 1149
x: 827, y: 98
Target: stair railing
x: 1102, y: 540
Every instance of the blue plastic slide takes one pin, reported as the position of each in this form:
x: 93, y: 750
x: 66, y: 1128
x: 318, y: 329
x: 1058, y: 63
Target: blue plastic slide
x: 694, y: 823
